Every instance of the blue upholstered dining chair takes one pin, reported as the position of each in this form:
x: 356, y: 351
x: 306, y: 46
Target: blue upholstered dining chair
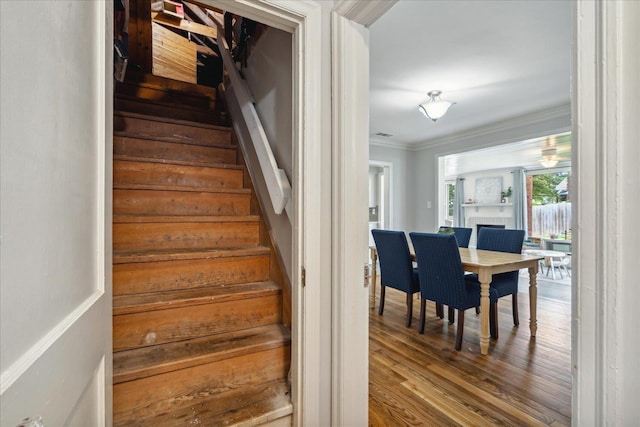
x: 502, y: 240
x: 442, y: 277
x: 396, y: 267
x: 463, y: 235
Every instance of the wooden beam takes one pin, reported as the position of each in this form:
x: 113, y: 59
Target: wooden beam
x: 205, y: 50
x: 144, y: 36
x: 205, y: 42
x: 200, y: 14
x: 183, y: 24
x: 204, y: 6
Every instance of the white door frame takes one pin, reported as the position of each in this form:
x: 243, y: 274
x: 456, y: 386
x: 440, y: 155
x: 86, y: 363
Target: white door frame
x: 388, y: 179
x: 350, y: 163
x: 605, y: 71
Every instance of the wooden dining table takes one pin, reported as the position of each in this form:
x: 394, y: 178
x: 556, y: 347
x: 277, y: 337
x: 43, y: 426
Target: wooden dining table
x: 485, y: 264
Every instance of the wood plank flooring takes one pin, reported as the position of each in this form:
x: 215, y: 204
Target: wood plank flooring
x: 420, y: 380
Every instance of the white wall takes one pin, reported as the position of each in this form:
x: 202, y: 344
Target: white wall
x: 269, y: 76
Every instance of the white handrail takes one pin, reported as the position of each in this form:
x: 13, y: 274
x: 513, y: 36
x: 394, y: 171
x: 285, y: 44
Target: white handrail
x: 242, y: 110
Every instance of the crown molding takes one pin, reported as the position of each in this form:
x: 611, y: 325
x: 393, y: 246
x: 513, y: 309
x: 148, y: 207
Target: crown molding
x: 499, y: 126
x: 389, y: 144
x: 363, y: 12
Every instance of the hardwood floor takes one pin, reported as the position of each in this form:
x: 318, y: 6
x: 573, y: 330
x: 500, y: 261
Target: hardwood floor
x: 421, y: 380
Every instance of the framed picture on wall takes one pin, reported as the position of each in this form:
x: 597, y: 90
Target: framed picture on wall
x: 488, y: 190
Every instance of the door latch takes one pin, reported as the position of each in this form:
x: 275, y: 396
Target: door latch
x: 366, y: 275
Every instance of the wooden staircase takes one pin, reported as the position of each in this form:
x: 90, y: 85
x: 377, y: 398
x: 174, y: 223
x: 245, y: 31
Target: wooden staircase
x: 198, y: 333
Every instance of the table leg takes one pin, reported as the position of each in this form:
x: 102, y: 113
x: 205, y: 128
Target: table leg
x: 374, y: 275
x: 560, y: 269
x: 533, y: 300
x: 485, y: 280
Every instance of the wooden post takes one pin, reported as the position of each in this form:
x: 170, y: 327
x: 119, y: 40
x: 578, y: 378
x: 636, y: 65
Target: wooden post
x: 143, y: 37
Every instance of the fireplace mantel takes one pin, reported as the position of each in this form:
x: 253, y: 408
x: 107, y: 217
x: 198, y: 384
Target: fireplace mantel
x: 486, y: 205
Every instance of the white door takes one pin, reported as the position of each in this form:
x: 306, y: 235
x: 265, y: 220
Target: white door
x: 55, y: 262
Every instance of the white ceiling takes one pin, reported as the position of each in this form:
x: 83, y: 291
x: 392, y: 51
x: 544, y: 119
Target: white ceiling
x: 495, y: 59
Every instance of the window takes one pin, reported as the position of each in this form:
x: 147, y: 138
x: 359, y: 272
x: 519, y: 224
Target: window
x: 450, y: 194
x: 549, y: 197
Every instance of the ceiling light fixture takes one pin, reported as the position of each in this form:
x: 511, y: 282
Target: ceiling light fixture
x: 549, y: 158
x: 435, y: 108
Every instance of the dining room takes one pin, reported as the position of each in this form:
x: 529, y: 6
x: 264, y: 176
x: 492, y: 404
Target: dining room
x: 424, y: 366
x: 523, y: 376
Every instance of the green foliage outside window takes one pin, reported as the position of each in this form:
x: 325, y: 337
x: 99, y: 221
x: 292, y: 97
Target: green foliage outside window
x: 451, y: 193
x: 544, y: 188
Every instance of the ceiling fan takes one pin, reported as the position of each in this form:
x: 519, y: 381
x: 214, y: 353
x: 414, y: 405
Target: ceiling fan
x: 555, y: 149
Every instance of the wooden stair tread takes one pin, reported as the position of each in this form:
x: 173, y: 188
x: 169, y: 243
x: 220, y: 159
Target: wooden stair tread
x: 127, y: 87
x: 186, y: 254
x: 154, y: 118
x: 158, y: 93
x: 180, y: 188
x: 138, y: 174
x: 162, y: 103
x: 138, y: 159
x: 149, y: 80
x: 171, y: 90
x: 164, y: 109
x: 184, y: 141
x: 136, y: 303
x: 119, y: 219
x: 158, y: 201
x: 143, y: 362
x: 181, y: 145
x: 252, y: 406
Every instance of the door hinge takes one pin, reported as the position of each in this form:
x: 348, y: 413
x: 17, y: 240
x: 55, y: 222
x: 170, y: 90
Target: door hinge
x: 366, y: 275
x: 303, y: 277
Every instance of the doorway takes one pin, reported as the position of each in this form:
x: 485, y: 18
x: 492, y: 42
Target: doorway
x: 379, y: 197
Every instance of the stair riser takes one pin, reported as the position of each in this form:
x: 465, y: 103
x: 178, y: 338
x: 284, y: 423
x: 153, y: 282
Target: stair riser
x: 264, y: 405
x: 153, y: 236
x: 169, y: 111
x: 139, y: 399
x: 152, y: 93
x: 147, y: 202
x: 172, y: 151
x: 187, y: 274
x: 156, y: 327
x: 170, y: 132
x: 142, y: 173
x: 141, y: 363
x: 170, y: 85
